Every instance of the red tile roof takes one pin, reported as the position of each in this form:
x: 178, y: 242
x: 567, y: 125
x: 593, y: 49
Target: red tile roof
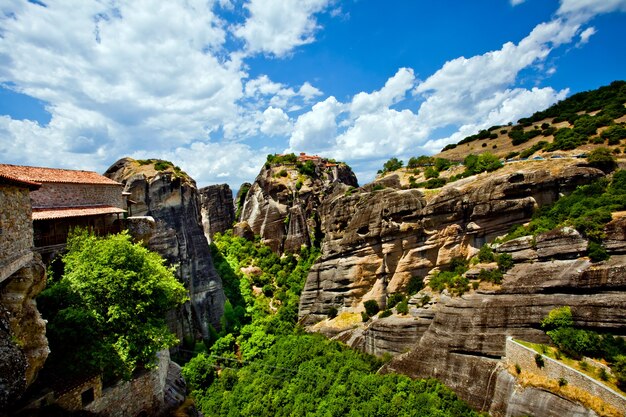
x: 10, y: 180
x: 39, y: 174
x: 64, y: 212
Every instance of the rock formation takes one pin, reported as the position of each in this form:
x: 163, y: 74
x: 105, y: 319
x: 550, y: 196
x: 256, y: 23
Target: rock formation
x: 217, y: 209
x: 281, y: 205
x: 170, y: 196
x: 377, y: 241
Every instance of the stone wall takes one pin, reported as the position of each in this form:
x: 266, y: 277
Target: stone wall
x: 144, y: 393
x: 16, y: 230
x: 552, y: 369
x: 71, y: 195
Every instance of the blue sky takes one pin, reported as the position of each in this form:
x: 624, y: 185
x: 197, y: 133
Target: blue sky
x: 216, y: 85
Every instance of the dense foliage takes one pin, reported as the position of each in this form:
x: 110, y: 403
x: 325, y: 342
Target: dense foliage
x: 307, y: 375
x: 263, y: 365
x: 587, y: 209
x: 107, y: 312
x: 577, y: 343
x: 610, y: 99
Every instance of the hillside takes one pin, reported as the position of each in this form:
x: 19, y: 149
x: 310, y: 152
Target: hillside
x: 575, y: 125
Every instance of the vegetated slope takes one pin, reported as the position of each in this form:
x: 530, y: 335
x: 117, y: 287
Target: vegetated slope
x: 577, y: 124
x: 263, y: 365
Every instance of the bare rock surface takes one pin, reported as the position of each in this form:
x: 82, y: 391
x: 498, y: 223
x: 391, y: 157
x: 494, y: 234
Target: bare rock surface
x: 23, y: 343
x: 217, y: 209
x: 281, y: 205
x: 170, y: 197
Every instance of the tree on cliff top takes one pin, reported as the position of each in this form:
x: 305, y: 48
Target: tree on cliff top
x: 107, y: 312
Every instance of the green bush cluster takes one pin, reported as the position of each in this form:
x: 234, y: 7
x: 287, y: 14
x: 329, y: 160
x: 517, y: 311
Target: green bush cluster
x: 392, y: 164
x: 453, y: 279
x: 609, y: 99
x: 576, y: 343
x: 535, y: 148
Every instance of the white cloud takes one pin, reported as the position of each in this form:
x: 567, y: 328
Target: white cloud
x: 275, y: 122
x: 233, y: 163
x: 585, y: 35
x: 394, y: 90
x: 316, y: 130
x: 516, y: 2
x: 585, y: 9
x: 308, y: 92
x: 278, y: 26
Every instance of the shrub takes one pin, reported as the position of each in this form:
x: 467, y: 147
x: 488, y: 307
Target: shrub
x: 597, y: 252
x: 583, y: 365
x: 442, y: 164
x: 308, y: 169
x: 435, y: 183
x: 332, y: 312
x: 385, y: 313
x: 603, y: 374
x: 619, y: 370
x: 475, y: 164
x: 562, y: 382
x: 364, y: 316
x: 431, y: 172
x: 392, y: 164
x: 485, y: 254
x: 566, y: 139
x: 575, y: 342
x: 371, y: 307
x: 603, y: 159
x: 505, y: 262
x: 558, y: 318
x: 282, y: 173
x: 511, y: 155
x: 403, y: 307
x: 494, y: 276
x: 416, y: 283
x: 614, y: 134
x: 449, y: 147
x: 539, y: 361
x: 394, y: 299
x: 518, y: 368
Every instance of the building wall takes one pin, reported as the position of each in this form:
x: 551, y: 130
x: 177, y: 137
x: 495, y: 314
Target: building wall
x: 16, y: 230
x: 525, y: 358
x: 69, y: 195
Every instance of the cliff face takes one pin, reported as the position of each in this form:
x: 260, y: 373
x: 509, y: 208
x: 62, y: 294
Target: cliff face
x: 171, y: 198
x: 281, y: 205
x: 375, y: 241
x: 217, y: 209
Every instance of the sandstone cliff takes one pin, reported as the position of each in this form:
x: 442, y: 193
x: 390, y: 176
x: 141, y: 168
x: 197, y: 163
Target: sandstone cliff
x: 217, y: 209
x: 23, y: 343
x: 162, y: 191
x: 281, y: 205
x: 376, y: 241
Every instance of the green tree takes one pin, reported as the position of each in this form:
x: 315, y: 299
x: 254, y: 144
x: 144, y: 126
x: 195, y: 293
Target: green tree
x: 603, y: 159
x: 393, y: 164
x: 558, y: 318
x: 107, y: 312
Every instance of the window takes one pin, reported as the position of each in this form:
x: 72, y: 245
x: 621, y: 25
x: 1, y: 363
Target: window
x: 87, y: 397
